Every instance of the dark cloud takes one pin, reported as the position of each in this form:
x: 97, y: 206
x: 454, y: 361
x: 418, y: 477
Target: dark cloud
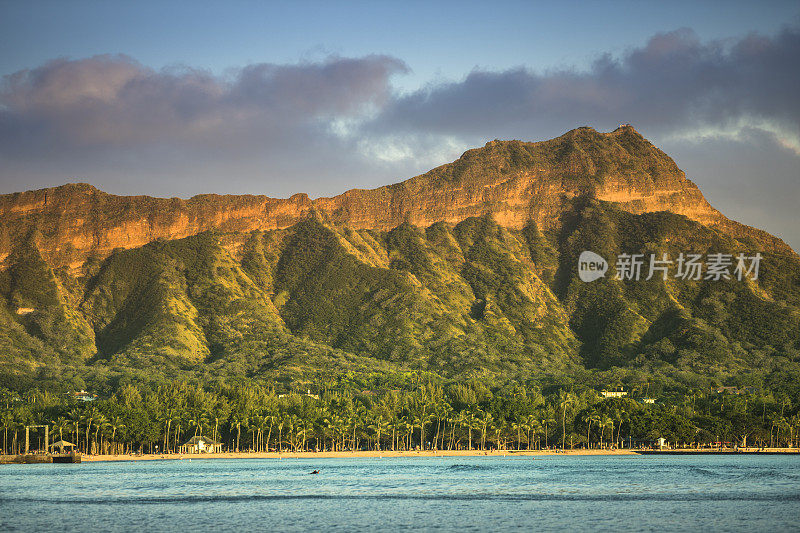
x: 673, y: 84
x: 109, y: 118
x: 114, y: 101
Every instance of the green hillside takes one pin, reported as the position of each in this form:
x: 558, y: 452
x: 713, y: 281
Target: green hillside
x: 317, y: 301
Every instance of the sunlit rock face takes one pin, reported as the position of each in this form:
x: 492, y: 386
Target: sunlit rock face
x: 516, y: 182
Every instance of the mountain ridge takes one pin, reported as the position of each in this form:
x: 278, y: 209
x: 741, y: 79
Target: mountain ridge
x: 517, y: 182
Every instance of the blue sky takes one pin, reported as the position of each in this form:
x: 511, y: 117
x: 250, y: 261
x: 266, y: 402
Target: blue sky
x: 179, y: 98
x: 436, y: 39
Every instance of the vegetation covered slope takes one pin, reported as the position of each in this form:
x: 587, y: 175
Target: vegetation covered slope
x: 701, y: 328
x: 471, y: 300
x: 468, y: 271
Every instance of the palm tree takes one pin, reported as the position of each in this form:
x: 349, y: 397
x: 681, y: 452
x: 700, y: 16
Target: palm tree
x: 267, y: 420
x: 408, y: 429
x: 256, y: 425
x: 794, y: 422
x: 547, y: 421
x: 7, y: 419
x: 401, y: 432
x: 281, y: 424
x: 235, y: 421
x: 532, y: 425
x: 597, y: 419
x: 304, y: 425
x: 329, y: 425
x: 783, y: 424
x: 167, y: 423
x: 620, y: 414
x: 498, y: 429
x: 197, y: 422
x: 394, y: 425
x: 484, y: 419
x: 116, y: 424
x: 420, y: 421
x: 565, y: 399
x: 215, y: 436
x: 89, y: 417
x: 605, y: 422
x: 16, y: 425
x: 456, y: 420
x: 247, y: 422
x: 108, y: 446
x: 589, y: 418
x: 299, y: 433
x: 290, y: 422
x: 518, y: 427
x: 340, y: 428
x: 470, y: 420
x: 774, y: 419
x: 75, y: 417
x: 443, y: 412
x: 99, y: 423
x: 377, y: 426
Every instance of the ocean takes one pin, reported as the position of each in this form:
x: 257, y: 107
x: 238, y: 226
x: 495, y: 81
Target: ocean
x: 544, y: 493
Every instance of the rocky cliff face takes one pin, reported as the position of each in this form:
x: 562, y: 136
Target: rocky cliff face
x: 516, y: 182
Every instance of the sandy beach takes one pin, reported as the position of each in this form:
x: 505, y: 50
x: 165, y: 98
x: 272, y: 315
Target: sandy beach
x: 426, y: 453
x: 352, y: 455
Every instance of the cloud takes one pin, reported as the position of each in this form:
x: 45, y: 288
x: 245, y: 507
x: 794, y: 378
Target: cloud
x: 115, y: 101
x: 109, y: 117
x: 673, y: 85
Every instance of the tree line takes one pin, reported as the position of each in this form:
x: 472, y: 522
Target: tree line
x: 424, y: 414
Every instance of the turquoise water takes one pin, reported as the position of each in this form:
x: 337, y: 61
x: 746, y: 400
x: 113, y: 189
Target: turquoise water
x: 623, y: 493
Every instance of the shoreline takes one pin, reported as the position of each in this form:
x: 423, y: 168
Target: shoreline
x: 431, y: 453
x: 371, y: 454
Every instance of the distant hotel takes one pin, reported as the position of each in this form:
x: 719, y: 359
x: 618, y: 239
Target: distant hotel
x: 84, y: 396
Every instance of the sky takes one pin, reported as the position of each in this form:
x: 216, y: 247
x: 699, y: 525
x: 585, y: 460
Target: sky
x: 183, y: 98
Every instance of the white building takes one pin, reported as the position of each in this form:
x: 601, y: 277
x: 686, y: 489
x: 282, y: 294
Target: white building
x: 201, y: 444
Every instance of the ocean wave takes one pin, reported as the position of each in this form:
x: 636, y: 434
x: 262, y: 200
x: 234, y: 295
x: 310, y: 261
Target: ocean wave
x: 244, y: 498
x: 466, y: 468
x: 704, y: 471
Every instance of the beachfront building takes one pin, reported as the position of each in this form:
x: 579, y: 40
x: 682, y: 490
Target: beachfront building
x: 201, y: 444
x: 63, y: 446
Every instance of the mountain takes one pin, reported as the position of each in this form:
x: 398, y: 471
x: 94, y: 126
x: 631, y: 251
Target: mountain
x: 468, y: 270
x: 516, y: 182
